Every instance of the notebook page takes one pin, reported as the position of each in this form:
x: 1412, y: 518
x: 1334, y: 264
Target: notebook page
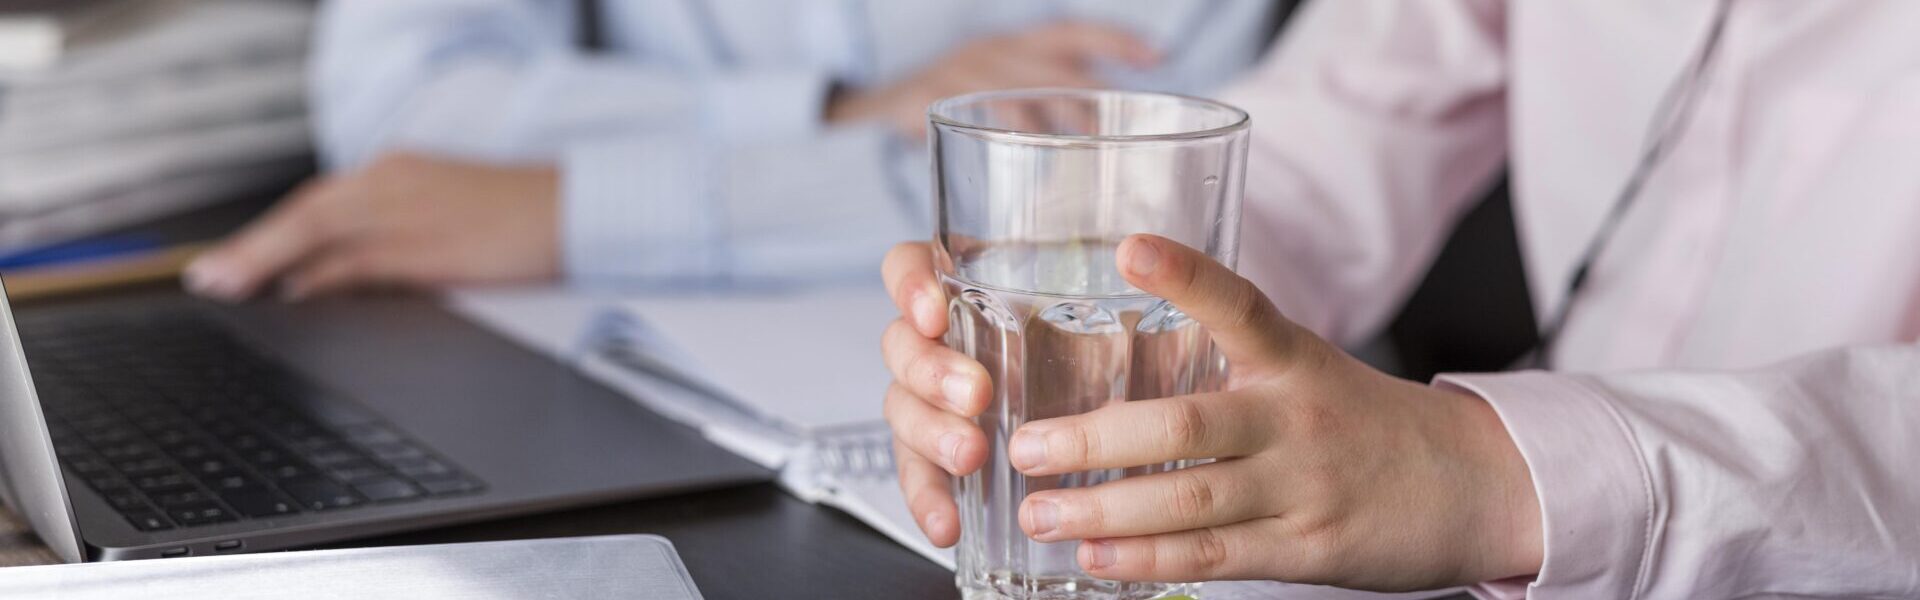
x: 809, y: 359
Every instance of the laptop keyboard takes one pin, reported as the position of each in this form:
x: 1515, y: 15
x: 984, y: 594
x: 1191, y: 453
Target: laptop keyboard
x: 176, y: 424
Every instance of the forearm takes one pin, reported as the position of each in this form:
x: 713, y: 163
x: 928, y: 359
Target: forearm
x: 501, y: 81
x: 656, y: 210
x: 1794, y: 479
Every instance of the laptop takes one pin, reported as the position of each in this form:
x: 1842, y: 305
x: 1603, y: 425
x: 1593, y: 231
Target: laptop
x: 153, y: 425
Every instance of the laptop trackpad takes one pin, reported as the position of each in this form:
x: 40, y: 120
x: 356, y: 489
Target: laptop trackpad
x: 526, y: 424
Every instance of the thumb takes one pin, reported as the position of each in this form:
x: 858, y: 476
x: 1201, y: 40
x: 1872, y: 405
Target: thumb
x: 1239, y: 318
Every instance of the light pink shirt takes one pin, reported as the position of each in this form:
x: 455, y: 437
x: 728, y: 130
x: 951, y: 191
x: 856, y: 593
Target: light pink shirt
x: 1737, y: 407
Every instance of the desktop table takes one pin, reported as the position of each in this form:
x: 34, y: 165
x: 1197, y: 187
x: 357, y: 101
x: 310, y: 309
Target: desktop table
x: 751, y: 541
x: 744, y: 542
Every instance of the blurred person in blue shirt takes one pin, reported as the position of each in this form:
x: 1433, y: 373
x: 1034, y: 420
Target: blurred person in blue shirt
x: 669, y: 142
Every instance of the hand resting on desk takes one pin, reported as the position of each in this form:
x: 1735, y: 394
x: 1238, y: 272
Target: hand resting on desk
x: 1330, y: 472
x: 406, y: 220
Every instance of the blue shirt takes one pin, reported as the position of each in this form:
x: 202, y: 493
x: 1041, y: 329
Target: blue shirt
x: 692, y: 149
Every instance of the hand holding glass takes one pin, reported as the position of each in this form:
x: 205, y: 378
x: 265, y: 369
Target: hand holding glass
x: 1035, y: 191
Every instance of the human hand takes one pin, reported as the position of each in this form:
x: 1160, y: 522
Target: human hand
x: 1329, y: 472
x: 1057, y: 55
x: 405, y: 220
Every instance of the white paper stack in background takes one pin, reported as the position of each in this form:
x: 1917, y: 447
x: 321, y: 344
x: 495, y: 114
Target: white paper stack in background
x: 123, y: 110
x: 34, y: 33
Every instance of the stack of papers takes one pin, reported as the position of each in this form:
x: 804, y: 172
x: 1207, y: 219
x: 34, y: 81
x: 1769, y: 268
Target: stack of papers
x: 34, y: 33
x: 123, y: 111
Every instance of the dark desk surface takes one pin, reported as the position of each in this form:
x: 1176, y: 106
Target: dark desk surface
x: 744, y: 542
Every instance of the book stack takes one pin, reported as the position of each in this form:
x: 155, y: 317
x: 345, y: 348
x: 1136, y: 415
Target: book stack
x: 117, y: 111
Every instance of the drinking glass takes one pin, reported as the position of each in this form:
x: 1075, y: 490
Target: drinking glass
x: 1035, y: 189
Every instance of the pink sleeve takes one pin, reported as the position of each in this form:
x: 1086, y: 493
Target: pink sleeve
x: 1796, y: 480
x: 1375, y: 122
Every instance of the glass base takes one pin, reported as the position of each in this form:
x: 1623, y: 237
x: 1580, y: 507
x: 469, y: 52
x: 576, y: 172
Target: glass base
x: 1011, y: 587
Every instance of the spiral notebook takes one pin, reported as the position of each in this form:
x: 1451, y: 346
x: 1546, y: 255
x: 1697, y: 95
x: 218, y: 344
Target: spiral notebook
x: 791, y: 380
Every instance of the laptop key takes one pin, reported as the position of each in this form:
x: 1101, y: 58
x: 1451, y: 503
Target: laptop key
x: 187, y: 453
x: 71, y: 448
x: 386, y: 488
x: 263, y: 456
x: 449, y: 486
x: 425, y: 468
x: 320, y: 494
x: 147, y: 520
x: 396, y: 451
x: 130, y: 451
x: 199, y: 514
x: 162, y: 484
x: 244, y: 441
x: 172, y: 437
x: 258, y: 502
x: 369, y: 435
x: 355, y: 471
x: 337, y: 453
x: 232, y: 482
x: 106, y: 436
x: 209, y: 467
x: 145, y: 466
x: 286, y: 470
x: 337, y: 413
x: 88, y: 465
x: 125, y: 499
x: 182, y: 499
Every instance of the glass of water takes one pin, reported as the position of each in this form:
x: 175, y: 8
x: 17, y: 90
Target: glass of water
x: 1035, y: 190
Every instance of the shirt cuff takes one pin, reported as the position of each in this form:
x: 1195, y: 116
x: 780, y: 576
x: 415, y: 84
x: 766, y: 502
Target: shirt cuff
x: 1596, y: 498
x: 767, y: 105
x: 639, y: 211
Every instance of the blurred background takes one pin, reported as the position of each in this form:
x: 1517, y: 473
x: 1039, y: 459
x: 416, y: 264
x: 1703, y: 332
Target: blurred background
x: 117, y: 112
x: 134, y: 125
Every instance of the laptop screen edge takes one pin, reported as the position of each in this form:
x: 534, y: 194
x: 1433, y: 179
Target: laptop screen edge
x: 30, y: 479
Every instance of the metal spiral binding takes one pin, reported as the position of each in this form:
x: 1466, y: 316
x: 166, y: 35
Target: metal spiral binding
x: 863, y: 451
x: 860, y: 453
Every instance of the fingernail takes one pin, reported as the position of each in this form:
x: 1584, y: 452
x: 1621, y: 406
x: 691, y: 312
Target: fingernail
x: 1145, y: 259
x: 933, y: 521
x: 196, y: 275
x: 950, y: 449
x: 926, y: 310
x: 1027, y: 450
x: 207, y: 277
x: 958, y: 389
x: 1100, y: 554
x: 1045, y: 517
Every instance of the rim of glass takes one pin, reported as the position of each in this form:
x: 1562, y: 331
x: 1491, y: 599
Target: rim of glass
x: 935, y: 114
